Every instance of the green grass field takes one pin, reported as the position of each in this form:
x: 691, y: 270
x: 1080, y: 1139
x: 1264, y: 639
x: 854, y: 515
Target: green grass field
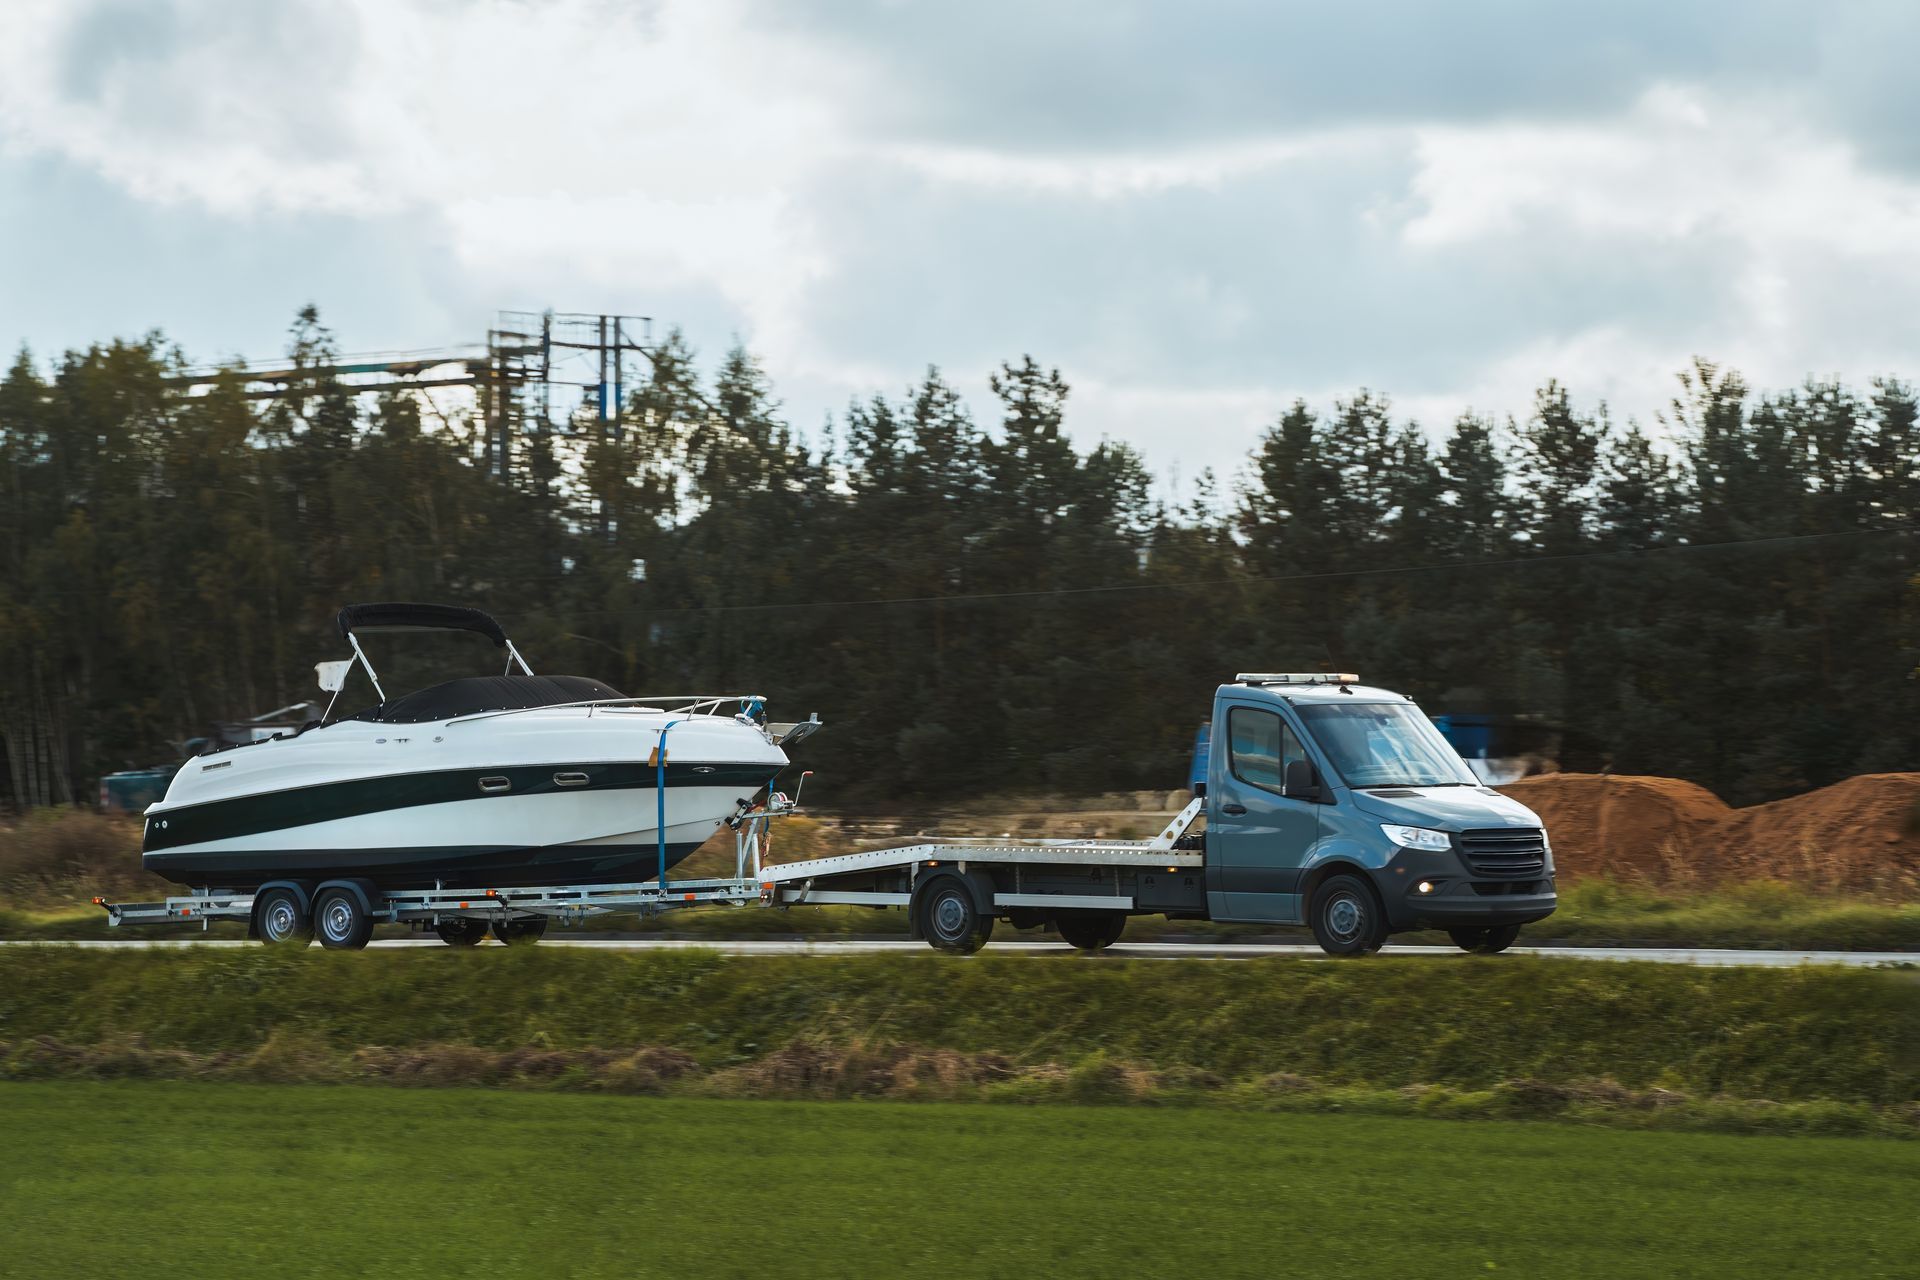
x: 158, y: 1180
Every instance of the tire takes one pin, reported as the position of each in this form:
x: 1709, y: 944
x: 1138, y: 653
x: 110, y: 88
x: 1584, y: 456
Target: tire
x: 1347, y: 919
x: 461, y: 931
x: 280, y: 921
x: 340, y: 921
x: 1487, y: 940
x: 520, y: 933
x: 948, y: 919
x: 1091, y: 930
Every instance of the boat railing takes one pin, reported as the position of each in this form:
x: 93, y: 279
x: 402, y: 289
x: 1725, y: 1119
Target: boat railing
x: 692, y: 704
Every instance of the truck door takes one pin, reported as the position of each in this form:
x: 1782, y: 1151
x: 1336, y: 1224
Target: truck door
x: 1258, y: 837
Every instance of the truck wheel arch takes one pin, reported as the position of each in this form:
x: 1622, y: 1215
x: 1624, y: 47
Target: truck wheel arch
x: 978, y: 884
x: 1325, y: 871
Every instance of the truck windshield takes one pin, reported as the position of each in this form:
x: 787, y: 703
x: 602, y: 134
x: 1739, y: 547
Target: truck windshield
x: 1384, y: 744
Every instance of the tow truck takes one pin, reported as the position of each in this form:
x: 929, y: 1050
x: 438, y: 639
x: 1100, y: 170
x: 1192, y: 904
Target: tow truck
x: 1326, y: 803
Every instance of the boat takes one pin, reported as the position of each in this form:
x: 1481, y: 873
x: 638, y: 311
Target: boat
x: 485, y: 781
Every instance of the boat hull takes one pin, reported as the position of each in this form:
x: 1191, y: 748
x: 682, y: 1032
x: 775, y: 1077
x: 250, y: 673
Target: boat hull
x: 561, y: 820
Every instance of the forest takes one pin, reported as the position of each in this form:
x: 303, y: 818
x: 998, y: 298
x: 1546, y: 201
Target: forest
x: 973, y: 598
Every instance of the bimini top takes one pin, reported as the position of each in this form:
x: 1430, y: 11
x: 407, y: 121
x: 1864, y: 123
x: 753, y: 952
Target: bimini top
x: 471, y: 695
x: 420, y: 617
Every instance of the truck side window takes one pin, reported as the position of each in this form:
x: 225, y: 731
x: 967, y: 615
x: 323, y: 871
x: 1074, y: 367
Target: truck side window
x: 1260, y: 747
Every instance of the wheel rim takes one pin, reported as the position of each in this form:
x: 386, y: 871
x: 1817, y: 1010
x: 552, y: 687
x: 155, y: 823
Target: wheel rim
x: 337, y: 919
x: 1345, y: 918
x: 950, y: 916
x: 279, y: 920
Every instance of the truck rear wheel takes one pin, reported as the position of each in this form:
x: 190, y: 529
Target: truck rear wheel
x: 1091, y: 930
x: 280, y: 921
x: 461, y: 931
x: 342, y: 923
x: 949, y: 920
x: 1485, y: 941
x: 520, y: 933
x: 1346, y: 918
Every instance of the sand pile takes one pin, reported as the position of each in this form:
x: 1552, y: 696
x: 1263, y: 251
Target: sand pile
x: 1602, y: 824
x: 1856, y: 834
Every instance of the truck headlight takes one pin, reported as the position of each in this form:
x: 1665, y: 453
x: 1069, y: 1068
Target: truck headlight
x: 1418, y: 838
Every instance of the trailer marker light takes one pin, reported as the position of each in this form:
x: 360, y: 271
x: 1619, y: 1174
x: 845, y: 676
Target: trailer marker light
x: 463, y: 906
x: 690, y: 897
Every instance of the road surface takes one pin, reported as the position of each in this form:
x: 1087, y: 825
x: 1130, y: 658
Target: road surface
x: 1149, y: 950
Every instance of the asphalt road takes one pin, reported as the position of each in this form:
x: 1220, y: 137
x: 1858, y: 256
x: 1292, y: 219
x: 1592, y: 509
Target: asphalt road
x: 1148, y: 950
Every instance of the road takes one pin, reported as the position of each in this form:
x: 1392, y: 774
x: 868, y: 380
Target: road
x: 1146, y: 950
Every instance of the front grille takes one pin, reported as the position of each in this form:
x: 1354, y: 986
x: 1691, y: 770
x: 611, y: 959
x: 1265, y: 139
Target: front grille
x: 1504, y: 851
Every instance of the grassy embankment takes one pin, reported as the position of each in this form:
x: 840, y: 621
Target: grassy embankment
x: 344, y: 1181
x: 53, y: 862
x: 1802, y: 1050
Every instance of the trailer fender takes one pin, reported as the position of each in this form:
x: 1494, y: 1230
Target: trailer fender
x: 979, y: 887
x: 302, y: 891
x: 372, y: 901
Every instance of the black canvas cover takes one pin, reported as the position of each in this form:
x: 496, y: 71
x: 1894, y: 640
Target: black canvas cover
x: 471, y: 694
x: 432, y: 617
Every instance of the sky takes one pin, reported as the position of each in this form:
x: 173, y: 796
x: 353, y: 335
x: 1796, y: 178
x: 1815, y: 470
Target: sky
x: 1198, y: 211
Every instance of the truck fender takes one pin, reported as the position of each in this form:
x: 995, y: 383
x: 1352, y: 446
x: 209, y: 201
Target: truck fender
x: 978, y: 883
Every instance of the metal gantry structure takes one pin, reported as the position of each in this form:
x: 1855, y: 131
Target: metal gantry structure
x: 596, y: 358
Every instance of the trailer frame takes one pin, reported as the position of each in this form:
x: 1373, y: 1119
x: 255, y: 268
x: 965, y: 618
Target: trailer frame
x: 903, y: 869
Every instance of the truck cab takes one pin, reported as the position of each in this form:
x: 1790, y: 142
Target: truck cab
x: 1340, y: 806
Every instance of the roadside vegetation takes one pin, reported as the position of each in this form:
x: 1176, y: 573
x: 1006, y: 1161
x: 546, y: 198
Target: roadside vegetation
x: 1799, y: 1050
x: 542, y: 1185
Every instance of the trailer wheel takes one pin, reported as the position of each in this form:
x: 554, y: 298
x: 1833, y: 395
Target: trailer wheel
x: 520, y: 933
x: 1485, y: 941
x: 1346, y: 918
x: 279, y: 920
x: 949, y: 920
x: 1091, y: 930
x: 342, y: 923
x: 461, y: 931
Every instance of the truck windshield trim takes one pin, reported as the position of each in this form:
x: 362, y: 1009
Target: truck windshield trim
x: 1384, y: 744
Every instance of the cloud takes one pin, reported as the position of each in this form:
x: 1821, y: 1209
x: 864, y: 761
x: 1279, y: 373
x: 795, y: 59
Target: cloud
x: 1199, y: 212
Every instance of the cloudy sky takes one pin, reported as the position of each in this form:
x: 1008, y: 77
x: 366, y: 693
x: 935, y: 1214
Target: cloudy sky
x: 1197, y: 210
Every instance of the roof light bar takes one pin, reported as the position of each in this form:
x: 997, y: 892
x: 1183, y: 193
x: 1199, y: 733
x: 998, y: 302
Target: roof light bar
x: 1296, y: 677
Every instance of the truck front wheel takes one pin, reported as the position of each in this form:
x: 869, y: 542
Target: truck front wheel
x: 280, y: 921
x: 949, y: 920
x: 1346, y: 918
x: 1091, y: 930
x: 1486, y: 941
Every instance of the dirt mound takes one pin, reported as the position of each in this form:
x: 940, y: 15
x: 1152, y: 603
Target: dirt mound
x: 1603, y: 824
x: 1858, y: 834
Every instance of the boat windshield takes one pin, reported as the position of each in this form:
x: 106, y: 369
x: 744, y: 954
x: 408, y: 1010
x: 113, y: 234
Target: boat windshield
x: 1385, y: 744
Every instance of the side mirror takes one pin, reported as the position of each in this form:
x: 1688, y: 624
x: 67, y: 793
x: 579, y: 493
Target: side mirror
x: 1302, y: 780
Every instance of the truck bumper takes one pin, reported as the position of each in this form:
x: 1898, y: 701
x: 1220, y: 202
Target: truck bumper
x: 1461, y: 902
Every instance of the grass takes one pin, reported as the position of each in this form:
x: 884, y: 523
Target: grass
x: 261, y: 1180
x: 1241, y: 1032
